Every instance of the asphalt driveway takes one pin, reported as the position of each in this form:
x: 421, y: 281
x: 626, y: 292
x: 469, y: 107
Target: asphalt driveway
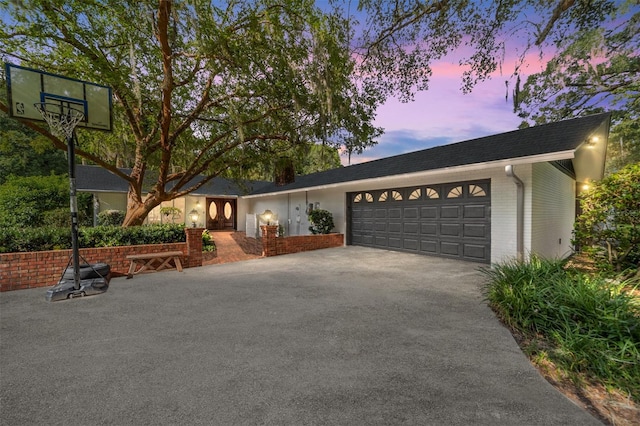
x: 348, y: 336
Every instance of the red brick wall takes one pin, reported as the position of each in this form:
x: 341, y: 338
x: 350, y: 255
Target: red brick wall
x: 274, y: 246
x: 44, y: 268
x: 295, y: 244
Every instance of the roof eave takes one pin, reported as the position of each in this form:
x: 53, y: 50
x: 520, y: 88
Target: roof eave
x: 542, y: 158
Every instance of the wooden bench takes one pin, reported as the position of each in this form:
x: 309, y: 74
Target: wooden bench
x: 150, y: 262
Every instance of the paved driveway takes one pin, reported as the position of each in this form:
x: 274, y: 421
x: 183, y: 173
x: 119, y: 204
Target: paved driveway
x: 349, y: 336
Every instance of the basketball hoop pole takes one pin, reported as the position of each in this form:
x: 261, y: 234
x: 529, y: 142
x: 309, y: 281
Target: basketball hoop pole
x: 73, y: 202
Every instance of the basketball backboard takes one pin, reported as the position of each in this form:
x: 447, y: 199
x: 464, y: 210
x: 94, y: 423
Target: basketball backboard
x: 26, y: 86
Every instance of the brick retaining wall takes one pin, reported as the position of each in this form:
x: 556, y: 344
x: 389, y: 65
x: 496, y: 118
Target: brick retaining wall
x: 275, y: 246
x: 44, y: 268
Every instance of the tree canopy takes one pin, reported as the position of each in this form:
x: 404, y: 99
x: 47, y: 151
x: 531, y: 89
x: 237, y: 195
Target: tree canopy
x: 200, y: 87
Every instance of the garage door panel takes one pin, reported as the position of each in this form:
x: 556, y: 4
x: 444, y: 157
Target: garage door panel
x: 450, y: 229
x: 382, y: 241
x: 410, y: 213
x: 395, y: 242
x: 450, y: 248
x: 430, y: 228
x: 474, y: 212
x: 411, y: 228
x: 475, y: 230
x: 395, y: 227
x: 449, y: 220
x: 410, y: 244
x: 428, y: 212
x: 429, y: 246
x: 395, y: 213
x: 450, y: 212
x: 475, y: 252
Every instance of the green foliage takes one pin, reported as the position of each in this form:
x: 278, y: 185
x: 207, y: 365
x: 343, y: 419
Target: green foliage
x: 591, y: 325
x: 14, y: 239
x: 207, y: 242
x: 321, y: 221
x: 34, y: 201
x: 173, y: 212
x: 609, y: 226
x: 594, y: 68
x: 624, y: 145
x: 24, y: 152
x: 111, y: 218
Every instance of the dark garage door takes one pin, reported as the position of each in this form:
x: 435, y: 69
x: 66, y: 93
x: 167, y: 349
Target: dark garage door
x: 451, y: 220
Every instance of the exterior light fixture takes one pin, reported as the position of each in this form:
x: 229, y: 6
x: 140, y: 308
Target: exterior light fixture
x: 591, y: 143
x: 267, y: 216
x: 194, y: 215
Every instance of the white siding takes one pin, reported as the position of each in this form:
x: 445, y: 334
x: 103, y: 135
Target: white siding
x: 553, y: 209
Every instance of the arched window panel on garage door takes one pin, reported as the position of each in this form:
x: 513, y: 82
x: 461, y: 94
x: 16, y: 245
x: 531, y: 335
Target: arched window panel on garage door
x: 432, y: 193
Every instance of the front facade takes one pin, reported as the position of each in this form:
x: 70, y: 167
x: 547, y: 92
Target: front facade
x: 484, y: 200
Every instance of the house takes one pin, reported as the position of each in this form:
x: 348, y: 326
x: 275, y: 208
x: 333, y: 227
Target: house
x: 485, y: 200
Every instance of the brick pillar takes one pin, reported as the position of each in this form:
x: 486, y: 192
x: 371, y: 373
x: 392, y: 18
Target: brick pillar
x: 269, y: 240
x: 194, y: 247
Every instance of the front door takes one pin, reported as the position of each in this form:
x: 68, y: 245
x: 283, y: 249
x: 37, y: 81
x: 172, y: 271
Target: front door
x: 221, y: 214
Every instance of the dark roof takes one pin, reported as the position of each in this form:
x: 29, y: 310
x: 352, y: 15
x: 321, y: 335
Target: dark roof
x: 561, y: 136
x: 537, y: 140
x: 98, y: 179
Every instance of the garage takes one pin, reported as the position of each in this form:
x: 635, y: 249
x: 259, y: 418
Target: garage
x: 450, y: 220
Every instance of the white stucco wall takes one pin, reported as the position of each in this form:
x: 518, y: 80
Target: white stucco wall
x: 553, y: 210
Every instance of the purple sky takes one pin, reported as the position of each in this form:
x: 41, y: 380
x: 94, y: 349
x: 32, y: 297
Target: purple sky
x: 443, y: 114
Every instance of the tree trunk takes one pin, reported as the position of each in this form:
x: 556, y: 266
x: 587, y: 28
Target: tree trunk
x: 137, y: 210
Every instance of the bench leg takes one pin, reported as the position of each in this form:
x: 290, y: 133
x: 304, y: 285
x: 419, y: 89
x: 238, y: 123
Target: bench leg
x: 132, y: 269
x: 176, y: 260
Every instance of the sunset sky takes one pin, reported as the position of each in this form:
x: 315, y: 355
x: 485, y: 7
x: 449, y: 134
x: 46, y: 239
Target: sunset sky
x: 443, y: 114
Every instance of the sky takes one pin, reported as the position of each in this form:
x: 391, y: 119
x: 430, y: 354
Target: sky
x: 443, y: 114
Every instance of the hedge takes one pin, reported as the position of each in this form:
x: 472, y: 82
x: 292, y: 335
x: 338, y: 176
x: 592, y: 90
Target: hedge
x: 13, y: 239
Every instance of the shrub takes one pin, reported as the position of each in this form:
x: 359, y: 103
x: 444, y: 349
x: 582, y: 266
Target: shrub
x: 33, y: 201
x: 55, y: 238
x: 321, y: 221
x: 592, y: 326
x: 111, y: 218
x: 207, y: 242
x: 608, y: 227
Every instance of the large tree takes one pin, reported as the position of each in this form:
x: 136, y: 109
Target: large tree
x: 200, y: 87
x: 593, y: 69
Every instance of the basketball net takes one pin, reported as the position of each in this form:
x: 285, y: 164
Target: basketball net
x: 62, y: 120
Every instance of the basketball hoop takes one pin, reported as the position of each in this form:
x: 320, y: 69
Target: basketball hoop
x: 62, y: 120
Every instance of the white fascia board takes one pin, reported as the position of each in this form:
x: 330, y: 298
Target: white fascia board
x: 542, y: 158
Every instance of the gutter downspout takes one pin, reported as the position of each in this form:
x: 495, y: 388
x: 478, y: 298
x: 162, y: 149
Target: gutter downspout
x: 520, y: 211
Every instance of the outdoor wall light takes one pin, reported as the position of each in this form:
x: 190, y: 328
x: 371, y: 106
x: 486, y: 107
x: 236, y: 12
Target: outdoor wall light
x: 194, y: 215
x: 267, y: 216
